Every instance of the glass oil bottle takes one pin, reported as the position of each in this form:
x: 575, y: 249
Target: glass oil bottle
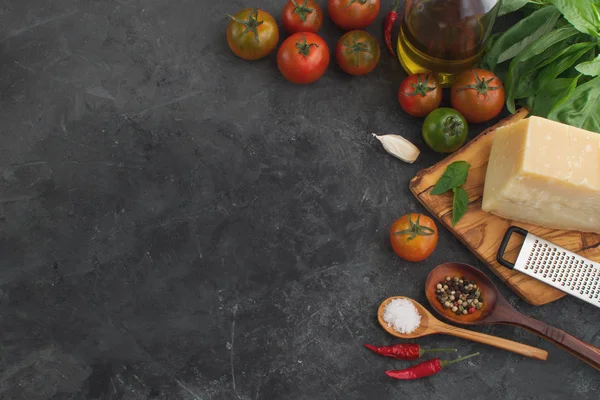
x: 446, y: 37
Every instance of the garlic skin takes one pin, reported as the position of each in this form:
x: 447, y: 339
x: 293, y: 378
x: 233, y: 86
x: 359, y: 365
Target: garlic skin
x: 399, y: 147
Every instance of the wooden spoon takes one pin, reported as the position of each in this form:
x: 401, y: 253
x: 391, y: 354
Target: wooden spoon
x: 430, y: 325
x: 496, y: 310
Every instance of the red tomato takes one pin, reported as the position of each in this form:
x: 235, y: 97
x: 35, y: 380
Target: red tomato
x: 420, y: 94
x: 414, y: 237
x: 353, y: 14
x: 302, y: 17
x: 252, y: 34
x: 478, y: 95
x: 303, y: 57
x: 357, y: 53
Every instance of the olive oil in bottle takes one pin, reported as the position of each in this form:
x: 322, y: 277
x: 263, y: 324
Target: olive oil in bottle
x: 446, y: 37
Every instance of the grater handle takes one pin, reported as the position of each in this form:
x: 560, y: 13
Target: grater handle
x: 584, y: 351
x: 500, y: 255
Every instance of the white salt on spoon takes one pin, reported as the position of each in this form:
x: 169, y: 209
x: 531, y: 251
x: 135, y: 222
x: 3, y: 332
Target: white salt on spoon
x: 402, y: 316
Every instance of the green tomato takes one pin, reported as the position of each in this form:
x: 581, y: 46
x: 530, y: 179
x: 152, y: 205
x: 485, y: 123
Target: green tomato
x: 445, y: 130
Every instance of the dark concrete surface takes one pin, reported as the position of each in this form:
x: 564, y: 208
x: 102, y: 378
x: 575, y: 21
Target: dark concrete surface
x: 176, y: 223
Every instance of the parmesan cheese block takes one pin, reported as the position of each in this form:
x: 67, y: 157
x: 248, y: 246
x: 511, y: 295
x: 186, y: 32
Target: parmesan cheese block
x: 545, y: 173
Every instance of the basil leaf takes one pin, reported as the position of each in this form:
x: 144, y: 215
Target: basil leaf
x: 516, y: 48
x: 553, y: 94
x: 454, y: 175
x: 525, y: 85
x: 591, y: 68
x: 581, y: 108
x: 520, y: 35
x: 492, y: 40
x: 532, y: 56
x: 460, y: 203
x: 530, y: 83
x: 508, y: 6
x: 583, y: 15
x: 561, y: 62
x: 527, y: 102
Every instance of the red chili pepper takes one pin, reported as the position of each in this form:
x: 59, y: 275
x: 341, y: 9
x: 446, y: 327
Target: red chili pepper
x: 402, y: 351
x: 388, y: 25
x: 426, y: 368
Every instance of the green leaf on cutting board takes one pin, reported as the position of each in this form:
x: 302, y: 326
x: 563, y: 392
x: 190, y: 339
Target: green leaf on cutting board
x: 552, y: 95
x: 460, y: 203
x: 523, y: 33
x: 581, y: 108
x: 582, y: 14
x: 532, y: 57
x: 591, y: 68
x: 454, y: 175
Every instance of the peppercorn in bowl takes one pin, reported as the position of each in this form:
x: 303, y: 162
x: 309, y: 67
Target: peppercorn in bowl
x: 459, y: 292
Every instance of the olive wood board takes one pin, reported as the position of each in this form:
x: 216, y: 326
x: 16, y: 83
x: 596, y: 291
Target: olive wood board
x: 482, y: 232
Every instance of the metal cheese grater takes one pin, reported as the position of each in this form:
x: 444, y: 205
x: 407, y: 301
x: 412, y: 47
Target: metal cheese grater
x: 555, y: 266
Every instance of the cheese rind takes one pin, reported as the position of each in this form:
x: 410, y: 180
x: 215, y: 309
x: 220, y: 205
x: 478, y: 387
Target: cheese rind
x: 546, y: 173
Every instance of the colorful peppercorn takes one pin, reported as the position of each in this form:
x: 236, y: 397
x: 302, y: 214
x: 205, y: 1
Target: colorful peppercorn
x: 459, y: 295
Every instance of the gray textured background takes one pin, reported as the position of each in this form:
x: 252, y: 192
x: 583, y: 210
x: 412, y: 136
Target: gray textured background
x: 176, y: 223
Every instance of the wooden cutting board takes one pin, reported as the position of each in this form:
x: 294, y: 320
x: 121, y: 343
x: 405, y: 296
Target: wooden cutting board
x: 482, y: 232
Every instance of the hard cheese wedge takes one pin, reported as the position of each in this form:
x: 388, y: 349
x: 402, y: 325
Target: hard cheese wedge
x: 546, y: 173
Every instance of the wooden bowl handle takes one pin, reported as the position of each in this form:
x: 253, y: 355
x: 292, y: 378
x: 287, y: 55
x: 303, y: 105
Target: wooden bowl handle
x: 501, y: 343
x: 578, y: 348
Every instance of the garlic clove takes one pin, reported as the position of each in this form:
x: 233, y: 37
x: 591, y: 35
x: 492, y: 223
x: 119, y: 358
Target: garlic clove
x: 399, y: 147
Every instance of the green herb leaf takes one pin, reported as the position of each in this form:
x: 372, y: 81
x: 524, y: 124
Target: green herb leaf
x: 532, y: 57
x: 561, y: 62
x: 591, y: 68
x: 552, y: 95
x: 519, y: 36
x: 581, y: 108
x: 508, y: 6
x: 460, y: 203
x: 527, y: 102
x: 525, y: 85
x: 454, y: 175
x: 583, y: 15
x: 553, y: 66
x: 516, y: 48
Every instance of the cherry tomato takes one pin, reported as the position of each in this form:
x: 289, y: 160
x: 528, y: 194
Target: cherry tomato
x: 303, y: 57
x: 252, y: 34
x: 353, y: 14
x: 478, y: 95
x: 420, y: 94
x: 299, y: 16
x: 414, y: 237
x: 445, y: 130
x: 357, y: 52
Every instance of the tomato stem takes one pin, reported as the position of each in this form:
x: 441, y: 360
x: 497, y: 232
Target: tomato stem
x: 304, y: 47
x: 453, y: 125
x: 357, y: 48
x: 302, y: 10
x: 481, y: 85
x: 421, y: 88
x: 415, y: 229
x: 361, y: 2
x: 251, y: 23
